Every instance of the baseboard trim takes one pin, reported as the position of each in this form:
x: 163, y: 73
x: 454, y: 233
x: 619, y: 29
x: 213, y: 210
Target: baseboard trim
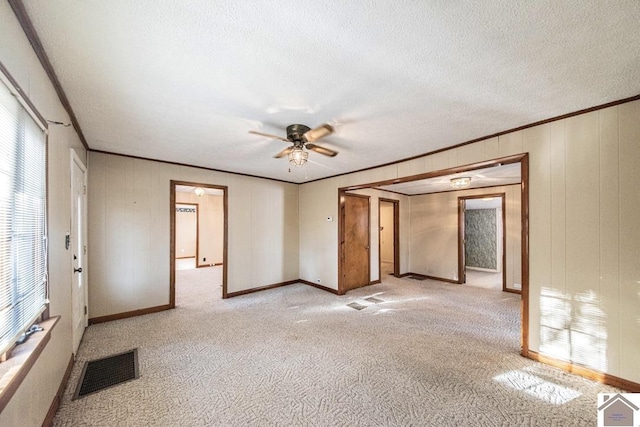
x: 209, y: 265
x: 583, y: 371
x: 315, y: 285
x: 55, y: 404
x: 261, y: 288
x: 440, y: 279
x: 133, y: 313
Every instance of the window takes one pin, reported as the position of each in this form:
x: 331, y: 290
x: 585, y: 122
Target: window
x: 23, y: 191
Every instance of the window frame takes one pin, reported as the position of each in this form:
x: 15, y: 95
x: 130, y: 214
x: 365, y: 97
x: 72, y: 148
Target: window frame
x: 16, y: 91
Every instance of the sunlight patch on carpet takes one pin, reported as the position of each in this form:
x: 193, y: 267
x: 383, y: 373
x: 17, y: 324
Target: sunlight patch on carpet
x: 537, y: 387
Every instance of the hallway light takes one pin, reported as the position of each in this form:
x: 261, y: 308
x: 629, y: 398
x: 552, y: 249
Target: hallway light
x: 199, y: 192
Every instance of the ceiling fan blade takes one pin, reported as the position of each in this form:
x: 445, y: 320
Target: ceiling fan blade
x: 321, y: 150
x: 319, y: 132
x: 269, y: 135
x: 284, y: 152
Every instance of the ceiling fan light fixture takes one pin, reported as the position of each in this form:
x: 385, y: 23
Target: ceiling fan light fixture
x: 298, y: 156
x: 461, y: 182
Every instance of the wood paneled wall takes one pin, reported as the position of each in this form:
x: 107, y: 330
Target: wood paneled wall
x: 129, y: 231
x: 584, y: 239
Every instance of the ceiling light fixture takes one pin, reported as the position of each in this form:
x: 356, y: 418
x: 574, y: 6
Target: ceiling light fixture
x: 298, y: 156
x: 199, y: 192
x: 461, y: 182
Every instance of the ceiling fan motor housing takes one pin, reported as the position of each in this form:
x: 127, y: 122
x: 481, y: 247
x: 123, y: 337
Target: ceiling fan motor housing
x: 295, y: 133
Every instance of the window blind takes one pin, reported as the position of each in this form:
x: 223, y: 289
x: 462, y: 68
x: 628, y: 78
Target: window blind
x: 23, y: 245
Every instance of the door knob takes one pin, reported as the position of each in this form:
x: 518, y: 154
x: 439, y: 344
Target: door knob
x: 77, y: 270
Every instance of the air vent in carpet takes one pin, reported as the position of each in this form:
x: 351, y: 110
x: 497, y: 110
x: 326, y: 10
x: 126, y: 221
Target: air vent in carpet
x: 417, y: 278
x: 107, y: 372
x: 357, y: 306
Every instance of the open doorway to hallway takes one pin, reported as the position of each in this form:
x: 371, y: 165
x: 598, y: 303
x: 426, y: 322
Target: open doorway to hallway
x: 483, y: 236
x: 198, y: 241
x: 389, y: 234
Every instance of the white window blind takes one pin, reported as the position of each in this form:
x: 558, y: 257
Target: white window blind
x: 23, y: 245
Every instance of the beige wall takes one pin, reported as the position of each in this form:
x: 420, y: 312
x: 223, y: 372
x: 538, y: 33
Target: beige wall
x: 434, y: 233
x: 31, y: 402
x: 211, y: 226
x: 186, y: 231
x: 129, y: 231
x: 386, y: 234
x: 584, y: 236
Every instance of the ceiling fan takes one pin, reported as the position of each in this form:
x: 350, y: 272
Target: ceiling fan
x: 302, y: 137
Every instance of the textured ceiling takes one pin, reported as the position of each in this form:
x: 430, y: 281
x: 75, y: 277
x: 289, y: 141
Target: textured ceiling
x: 186, y: 81
x: 480, y: 178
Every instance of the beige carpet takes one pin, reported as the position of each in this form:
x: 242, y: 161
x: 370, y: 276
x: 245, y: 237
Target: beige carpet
x: 429, y: 354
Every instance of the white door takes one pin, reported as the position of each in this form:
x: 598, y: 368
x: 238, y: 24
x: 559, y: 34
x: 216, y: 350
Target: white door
x: 78, y: 248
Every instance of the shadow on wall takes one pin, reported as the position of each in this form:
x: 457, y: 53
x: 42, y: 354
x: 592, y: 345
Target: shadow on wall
x: 573, y: 328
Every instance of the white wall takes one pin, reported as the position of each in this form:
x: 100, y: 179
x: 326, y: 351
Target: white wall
x: 386, y: 232
x: 434, y: 233
x: 584, y: 237
x: 186, y: 230
x: 31, y: 402
x: 129, y: 231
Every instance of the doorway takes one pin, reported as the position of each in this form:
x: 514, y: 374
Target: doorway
x: 355, y: 241
x: 389, y: 237
x: 523, y: 220
x: 199, y: 223
x: 78, y: 245
x: 482, y: 237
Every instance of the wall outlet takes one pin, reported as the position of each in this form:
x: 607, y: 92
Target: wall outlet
x: 204, y: 259
x: 329, y: 218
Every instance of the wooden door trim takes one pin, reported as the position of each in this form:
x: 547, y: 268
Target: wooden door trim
x: 461, y: 259
x: 396, y: 236
x: 172, y: 233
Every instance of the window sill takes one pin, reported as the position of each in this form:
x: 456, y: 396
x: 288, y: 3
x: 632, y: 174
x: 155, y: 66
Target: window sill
x: 23, y: 357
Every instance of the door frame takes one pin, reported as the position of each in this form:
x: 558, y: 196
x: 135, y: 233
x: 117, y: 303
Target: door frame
x: 523, y: 159
x: 172, y: 233
x: 462, y: 272
x: 84, y: 253
x: 341, y: 240
x: 396, y: 236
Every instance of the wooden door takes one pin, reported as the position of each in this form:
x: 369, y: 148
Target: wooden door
x: 356, y: 242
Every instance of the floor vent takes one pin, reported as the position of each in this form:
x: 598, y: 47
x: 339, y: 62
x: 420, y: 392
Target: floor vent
x: 357, y: 306
x: 374, y: 300
x: 107, y: 372
x: 417, y: 278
